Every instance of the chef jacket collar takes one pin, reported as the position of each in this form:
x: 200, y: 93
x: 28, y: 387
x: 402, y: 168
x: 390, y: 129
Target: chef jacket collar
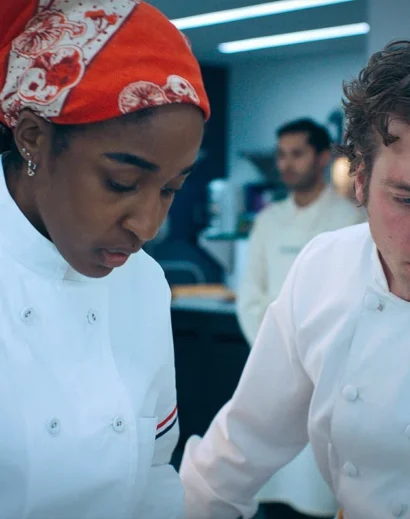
x: 26, y: 244
x: 378, y: 272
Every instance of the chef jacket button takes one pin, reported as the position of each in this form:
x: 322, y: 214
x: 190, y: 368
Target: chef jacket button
x: 92, y: 316
x: 27, y: 314
x: 398, y: 509
x: 350, y: 470
x: 350, y: 393
x: 407, y: 431
x: 118, y: 424
x: 372, y: 302
x: 53, y: 426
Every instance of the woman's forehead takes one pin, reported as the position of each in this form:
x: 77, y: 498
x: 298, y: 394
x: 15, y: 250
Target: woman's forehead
x: 169, y: 133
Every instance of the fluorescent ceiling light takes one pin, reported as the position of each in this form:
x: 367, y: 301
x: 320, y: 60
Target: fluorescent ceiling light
x: 251, y: 11
x: 292, y: 38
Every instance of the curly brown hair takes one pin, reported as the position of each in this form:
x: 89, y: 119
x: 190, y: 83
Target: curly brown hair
x: 381, y: 90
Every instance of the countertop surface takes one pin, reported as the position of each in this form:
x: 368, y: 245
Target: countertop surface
x: 204, y: 304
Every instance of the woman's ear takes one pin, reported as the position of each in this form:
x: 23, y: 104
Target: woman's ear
x: 32, y: 133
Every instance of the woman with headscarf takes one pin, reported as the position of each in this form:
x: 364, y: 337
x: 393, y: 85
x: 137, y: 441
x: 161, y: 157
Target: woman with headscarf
x: 102, y: 109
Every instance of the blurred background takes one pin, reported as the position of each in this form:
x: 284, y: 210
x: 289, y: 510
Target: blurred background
x: 252, y: 93
x: 264, y: 64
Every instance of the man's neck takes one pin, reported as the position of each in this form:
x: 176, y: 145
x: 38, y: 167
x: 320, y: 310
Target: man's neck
x: 305, y: 198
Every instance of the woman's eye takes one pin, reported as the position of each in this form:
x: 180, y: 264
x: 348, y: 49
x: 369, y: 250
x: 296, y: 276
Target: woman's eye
x: 120, y: 188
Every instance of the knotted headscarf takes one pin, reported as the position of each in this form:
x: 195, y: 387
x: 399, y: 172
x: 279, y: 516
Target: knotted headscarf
x: 84, y: 61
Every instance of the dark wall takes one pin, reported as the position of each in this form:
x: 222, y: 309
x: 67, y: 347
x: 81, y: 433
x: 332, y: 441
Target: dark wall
x: 188, y: 214
x: 210, y: 354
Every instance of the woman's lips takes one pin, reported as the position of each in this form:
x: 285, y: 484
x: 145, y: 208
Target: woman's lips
x: 113, y: 259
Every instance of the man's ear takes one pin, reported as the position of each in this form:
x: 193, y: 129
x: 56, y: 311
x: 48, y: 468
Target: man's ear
x: 324, y: 158
x: 359, y: 183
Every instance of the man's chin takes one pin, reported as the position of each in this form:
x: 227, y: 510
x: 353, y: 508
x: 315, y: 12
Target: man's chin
x: 301, y: 187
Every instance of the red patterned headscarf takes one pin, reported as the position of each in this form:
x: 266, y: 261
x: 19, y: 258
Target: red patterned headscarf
x: 84, y: 61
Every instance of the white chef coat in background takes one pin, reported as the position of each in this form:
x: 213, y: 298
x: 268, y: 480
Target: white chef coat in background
x: 87, y: 386
x: 279, y: 234
x: 331, y: 365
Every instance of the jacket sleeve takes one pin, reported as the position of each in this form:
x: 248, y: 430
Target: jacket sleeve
x: 253, y: 297
x: 163, y: 496
x: 260, y: 430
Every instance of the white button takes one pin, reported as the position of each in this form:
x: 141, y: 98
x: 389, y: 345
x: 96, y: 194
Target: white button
x: 118, y: 424
x: 372, y: 302
x: 27, y: 314
x: 92, y: 316
x: 53, y: 426
x: 350, y: 470
x: 350, y: 393
x: 407, y: 431
x: 398, y: 509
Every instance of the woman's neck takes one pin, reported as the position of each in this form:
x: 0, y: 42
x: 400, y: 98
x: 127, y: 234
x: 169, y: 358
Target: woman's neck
x: 21, y: 191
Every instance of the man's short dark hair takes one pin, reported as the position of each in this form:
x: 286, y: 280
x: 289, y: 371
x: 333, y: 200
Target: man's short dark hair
x: 318, y: 136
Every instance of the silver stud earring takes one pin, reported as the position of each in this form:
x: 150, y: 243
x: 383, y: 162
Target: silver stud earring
x: 31, y: 167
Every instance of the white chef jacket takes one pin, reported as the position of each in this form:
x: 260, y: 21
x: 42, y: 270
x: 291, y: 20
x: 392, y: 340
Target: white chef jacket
x: 280, y: 232
x: 87, y: 388
x: 331, y: 364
